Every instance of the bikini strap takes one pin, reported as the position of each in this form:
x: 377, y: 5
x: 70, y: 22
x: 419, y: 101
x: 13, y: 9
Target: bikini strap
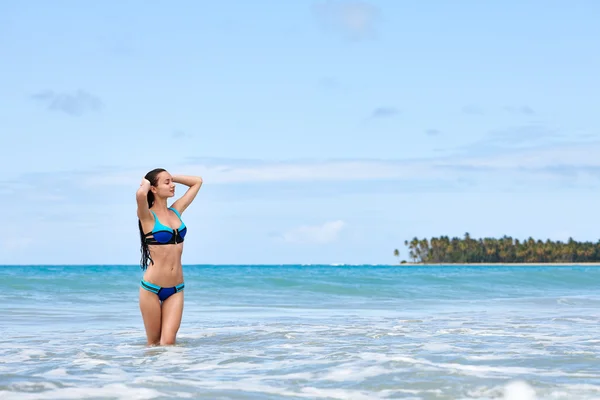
x: 176, y: 212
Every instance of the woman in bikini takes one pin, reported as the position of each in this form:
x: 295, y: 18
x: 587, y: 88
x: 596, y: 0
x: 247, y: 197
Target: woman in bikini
x: 162, y: 232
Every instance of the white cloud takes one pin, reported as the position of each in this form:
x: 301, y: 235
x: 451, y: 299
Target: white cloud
x: 319, y: 234
x: 274, y: 172
x: 535, y: 163
x: 575, y: 165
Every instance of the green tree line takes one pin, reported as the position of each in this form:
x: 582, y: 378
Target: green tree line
x: 506, y: 249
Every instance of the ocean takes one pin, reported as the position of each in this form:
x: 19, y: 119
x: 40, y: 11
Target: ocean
x: 306, y: 332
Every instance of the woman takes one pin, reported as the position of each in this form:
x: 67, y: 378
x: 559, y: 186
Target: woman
x: 162, y: 232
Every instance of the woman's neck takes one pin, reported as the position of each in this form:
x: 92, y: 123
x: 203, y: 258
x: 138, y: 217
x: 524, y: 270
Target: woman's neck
x: 160, y: 204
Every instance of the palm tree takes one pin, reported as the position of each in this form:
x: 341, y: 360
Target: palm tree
x: 414, y: 246
x: 505, y: 249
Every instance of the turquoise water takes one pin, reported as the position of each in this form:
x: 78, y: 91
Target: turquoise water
x: 306, y: 332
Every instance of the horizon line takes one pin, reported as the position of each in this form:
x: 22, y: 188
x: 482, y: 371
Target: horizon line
x: 317, y: 264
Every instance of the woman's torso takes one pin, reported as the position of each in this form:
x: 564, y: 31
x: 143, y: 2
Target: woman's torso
x: 166, y: 269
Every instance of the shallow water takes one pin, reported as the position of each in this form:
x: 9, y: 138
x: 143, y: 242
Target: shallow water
x: 317, y: 332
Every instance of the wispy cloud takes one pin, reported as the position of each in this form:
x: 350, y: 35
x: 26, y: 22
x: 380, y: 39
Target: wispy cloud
x: 525, y: 110
x: 472, y: 109
x: 534, y: 166
x: 579, y: 156
x: 524, y: 136
x: 355, y: 20
x: 314, y: 234
x: 274, y: 171
x: 179, y: 134
x: 516, y: 160
x: 384, y: 112
x: 329, y: 83
x: 432, y: 132
x: 73, y: 104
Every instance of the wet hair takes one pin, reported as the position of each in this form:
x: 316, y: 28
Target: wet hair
x: 152, y: 176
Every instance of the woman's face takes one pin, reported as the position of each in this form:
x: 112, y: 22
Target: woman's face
x: 165, y: 187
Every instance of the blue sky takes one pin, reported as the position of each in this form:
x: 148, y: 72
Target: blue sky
x: 325, y: 131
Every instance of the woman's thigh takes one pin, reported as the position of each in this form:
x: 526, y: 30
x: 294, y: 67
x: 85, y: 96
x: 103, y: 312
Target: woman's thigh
x: 152, y: 315
x: 172, y: 311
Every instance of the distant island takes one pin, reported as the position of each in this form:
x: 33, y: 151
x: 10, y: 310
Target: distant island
x: 467, y: 250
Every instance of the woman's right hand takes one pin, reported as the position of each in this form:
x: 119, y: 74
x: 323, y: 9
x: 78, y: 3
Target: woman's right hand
x: 145, y: 182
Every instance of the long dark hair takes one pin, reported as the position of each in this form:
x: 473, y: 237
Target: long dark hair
x: 152, y: 176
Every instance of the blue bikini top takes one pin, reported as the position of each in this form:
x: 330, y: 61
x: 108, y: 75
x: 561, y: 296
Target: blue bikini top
x: 162, y: 234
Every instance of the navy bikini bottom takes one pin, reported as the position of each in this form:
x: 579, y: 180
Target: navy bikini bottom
x: 163, y: 293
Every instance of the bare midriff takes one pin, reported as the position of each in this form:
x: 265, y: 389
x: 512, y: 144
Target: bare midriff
x: 166, y: 271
